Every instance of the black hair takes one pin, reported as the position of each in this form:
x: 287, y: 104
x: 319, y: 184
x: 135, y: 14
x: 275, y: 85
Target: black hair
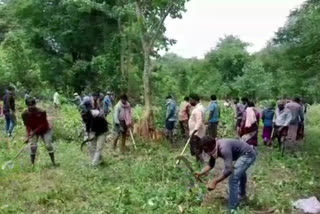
x: 297, y: 99
x: 124, y: 97
x: 10, y: 88
x: 169, y: 97
x: 195, y: 97
x: 250, y: 104
x: 236, y: 99
x: 30, y: 101
x: 213, y: 97
x: 186, y: 98
x: 244, y: 100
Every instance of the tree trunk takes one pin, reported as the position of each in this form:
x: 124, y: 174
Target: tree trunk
x: 147, y: 123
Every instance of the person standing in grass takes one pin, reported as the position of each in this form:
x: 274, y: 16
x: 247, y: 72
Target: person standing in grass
x: 184, y: 115
x: 37, y: 126
x: 296, y: 120
x: 267, y: 119
x: 96, y: 126
x: 107, y: 104
x: 282, y: 120
x: 56, y: 100
x: 9, y: 111
x: 170, y: 117
x: 197, y: 128
x: 238, y: 157
x: 214, y: 114
x: 239, y: 109
x: 250, y: 125
x: 122, y: 119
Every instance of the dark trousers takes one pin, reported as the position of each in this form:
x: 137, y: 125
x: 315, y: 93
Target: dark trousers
x: 213, y: 129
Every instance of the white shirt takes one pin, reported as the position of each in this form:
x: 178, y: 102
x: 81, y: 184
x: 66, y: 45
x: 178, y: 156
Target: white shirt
x: 196, y: 121
x: 56, y: 98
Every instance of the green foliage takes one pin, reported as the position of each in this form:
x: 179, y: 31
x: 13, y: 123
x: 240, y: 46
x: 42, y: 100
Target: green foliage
x: 146, y: 180
x: 255, y: 82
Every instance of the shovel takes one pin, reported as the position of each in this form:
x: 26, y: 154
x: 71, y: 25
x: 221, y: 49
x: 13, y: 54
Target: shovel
x: 10, y: 164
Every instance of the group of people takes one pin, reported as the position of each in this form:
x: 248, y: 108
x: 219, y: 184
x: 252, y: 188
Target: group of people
x: 201, y: 130
x: 286, y: 121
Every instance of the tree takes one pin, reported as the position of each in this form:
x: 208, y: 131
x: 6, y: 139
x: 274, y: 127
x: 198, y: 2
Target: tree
x: 151, y: 15
x: 255, y: 82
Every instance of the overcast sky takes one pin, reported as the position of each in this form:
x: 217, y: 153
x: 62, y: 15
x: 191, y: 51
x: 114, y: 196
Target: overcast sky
x: 205, y: 21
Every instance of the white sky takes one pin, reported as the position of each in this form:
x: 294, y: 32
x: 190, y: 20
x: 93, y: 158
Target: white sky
x: 254, y: 21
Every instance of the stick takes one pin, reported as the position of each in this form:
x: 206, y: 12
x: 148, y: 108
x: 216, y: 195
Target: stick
x: 184, y: 149
x: 133, y: 142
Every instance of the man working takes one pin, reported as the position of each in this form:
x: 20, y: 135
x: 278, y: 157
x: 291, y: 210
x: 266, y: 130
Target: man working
x: 37, y: 126
x: 122, y: 119
x: 296, y: 120
x: 282, y: 120
x: 184, y: 114
x: 213, y: 119
x: 9, y: 110
x: 197, y: 128
x: 96, y: 127
x: 239, y: 109
x: 229, y: 150
x: 170, y: 117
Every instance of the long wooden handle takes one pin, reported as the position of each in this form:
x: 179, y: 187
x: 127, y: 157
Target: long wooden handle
x: 184, y: 149
x: 133, y: 141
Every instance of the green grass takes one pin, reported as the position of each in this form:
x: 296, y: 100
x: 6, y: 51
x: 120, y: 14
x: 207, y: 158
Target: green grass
x: 145, y: 180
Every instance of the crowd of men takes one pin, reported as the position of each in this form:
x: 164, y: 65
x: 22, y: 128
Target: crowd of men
x: 286, y: 121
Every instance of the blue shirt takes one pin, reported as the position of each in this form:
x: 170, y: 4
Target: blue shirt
x: 213, y: 112
x: 171, y: 110
x: 106, y: 104
x: 267, y: 117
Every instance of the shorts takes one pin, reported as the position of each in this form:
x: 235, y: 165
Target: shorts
x: 170, y: 125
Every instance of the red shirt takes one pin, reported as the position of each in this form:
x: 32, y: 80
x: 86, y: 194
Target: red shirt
x: 36, y: 121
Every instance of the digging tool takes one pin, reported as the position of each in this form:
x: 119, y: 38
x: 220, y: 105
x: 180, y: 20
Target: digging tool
x: 133, y: 141
x: 10, y: 164
x: 188, y: 165
x: 86, y: 141
x: 184, y: 149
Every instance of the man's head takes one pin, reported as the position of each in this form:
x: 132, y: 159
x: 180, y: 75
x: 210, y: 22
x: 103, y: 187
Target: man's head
x: 31, y: 102
x: 236, y: 100
x: 75, y: 94
x: 244, y: 100
x: 281, y: 104
x: 250, y: 104
x: 194, y: 99
x: 168, y: 97
x: 186, y: 98
x: 297, y: 100
x: 124, y: 98
x: 213, y: 97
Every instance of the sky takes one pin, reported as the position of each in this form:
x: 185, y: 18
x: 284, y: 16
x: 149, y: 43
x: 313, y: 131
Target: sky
x: 253, y: 21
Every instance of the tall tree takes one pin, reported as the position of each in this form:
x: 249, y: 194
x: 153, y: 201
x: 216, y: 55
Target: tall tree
x: 151, y: 15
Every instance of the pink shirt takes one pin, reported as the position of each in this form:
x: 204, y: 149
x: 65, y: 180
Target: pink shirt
x: 196, y: 121
x: 184, y: 111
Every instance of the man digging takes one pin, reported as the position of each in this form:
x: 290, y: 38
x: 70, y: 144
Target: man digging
x: 230, y: 150
x: 37, y: 126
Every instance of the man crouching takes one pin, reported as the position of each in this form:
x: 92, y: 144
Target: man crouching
x: 229, y: 150
x: 37, y: 126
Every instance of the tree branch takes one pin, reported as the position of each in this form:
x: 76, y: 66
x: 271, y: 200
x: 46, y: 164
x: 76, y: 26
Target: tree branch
x: 141, y: 22
x: 160, y: 24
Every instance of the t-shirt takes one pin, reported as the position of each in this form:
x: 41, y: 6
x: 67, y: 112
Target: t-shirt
x: 213, y: 111
x: 231, y: 150
x: 36, y: 121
